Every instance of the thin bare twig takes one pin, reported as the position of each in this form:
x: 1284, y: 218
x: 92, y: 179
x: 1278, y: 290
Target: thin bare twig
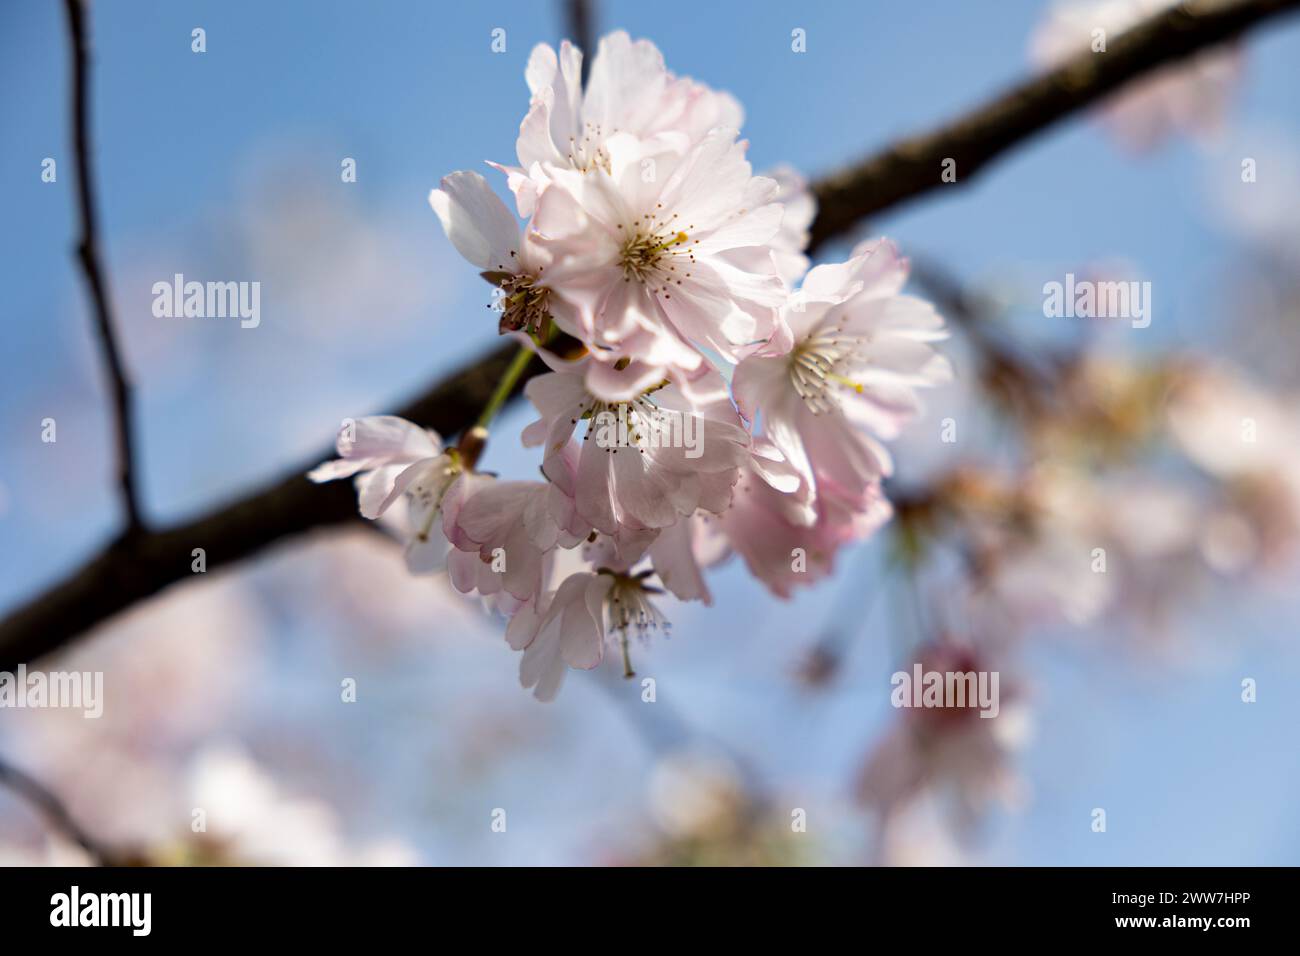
x: 92, y: 265
x: 129, y: 570
x: 52, y: 808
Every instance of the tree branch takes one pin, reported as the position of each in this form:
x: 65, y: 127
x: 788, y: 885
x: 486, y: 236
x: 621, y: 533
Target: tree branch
x: 88, y: 252
x: 913, y: 166
x: 134, y: 567
x: 579, y: 19
x: 41, y: 797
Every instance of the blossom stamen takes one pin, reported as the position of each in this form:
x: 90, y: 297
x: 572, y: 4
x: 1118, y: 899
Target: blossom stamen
x: 629, y: 607
x: 522, y: 303
x: 820, y: 362
x: 647, y: 425
x: 650, y: 251
x: 431, y: 493
x: 588, y: 153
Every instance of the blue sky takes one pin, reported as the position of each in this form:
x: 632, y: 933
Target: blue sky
x: 191, y: 146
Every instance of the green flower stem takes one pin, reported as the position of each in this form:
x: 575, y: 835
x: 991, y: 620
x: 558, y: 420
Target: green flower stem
x: 505, y: 386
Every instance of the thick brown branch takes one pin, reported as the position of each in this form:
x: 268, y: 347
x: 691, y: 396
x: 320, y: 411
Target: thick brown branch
x: 914, y: 166
x: 134, y: 568
x: 88, y: 253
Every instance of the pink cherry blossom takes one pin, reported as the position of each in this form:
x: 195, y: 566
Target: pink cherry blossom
x: 1243, y: 436
x: 785, y: 536
x: 642, y: 250
x: 860, y: 349
x: 650, y: 241
x: 678, y: 555
x: 487, y: 234
x: 629, y: 91
x: 504, y: 532
x: 570, y: 626
x: 786, y: 249
x: 947, y: 750
x: 645, y: 462
x: 394, y: 459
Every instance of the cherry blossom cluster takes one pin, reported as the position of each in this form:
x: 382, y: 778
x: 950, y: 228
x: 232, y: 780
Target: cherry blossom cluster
x: 723, y: 399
